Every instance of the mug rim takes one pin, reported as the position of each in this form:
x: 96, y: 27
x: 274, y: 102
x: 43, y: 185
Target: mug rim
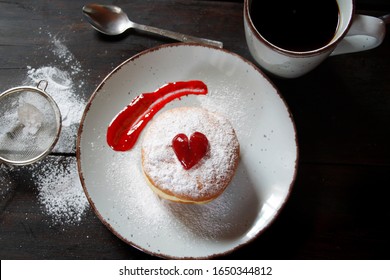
x: 328, y: 47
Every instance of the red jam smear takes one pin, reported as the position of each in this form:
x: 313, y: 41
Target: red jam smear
x: 125, y: 128
x: 190, y: 152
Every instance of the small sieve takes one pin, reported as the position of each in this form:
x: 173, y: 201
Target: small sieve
x: 30, y: 124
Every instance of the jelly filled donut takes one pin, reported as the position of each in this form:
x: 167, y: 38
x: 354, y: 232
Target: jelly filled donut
x: 190, y: 155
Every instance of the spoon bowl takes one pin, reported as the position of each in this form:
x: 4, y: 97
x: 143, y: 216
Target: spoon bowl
x: 112, y: 20
x: 107, y: 19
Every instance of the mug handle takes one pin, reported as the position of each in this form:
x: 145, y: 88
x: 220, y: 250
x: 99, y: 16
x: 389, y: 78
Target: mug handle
x: 365, y: 33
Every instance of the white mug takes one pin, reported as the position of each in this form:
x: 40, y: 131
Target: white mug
x: 354, y: 33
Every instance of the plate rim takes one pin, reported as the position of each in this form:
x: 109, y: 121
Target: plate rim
x: 81, y: 175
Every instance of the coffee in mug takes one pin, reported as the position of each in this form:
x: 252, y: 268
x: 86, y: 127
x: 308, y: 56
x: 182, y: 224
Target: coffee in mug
x: 296, y: 25
x: 289, y: 38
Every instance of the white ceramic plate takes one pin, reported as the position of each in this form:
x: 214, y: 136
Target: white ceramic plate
x: 114, y: 183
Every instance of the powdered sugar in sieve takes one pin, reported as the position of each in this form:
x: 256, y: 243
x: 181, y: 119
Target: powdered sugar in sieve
x: 30, y: 124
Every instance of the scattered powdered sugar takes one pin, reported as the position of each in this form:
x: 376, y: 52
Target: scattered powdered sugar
x: 129, y: 205
x: 144, y: 213
x: 59, y: 190
x: 233, y: 107
x: 63, y: 53
x: 62, y: 86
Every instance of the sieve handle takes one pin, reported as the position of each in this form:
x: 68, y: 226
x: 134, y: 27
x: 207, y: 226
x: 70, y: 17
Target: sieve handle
x: 42, y: 82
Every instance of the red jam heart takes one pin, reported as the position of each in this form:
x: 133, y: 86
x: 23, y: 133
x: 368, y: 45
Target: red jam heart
x: 190, y: 152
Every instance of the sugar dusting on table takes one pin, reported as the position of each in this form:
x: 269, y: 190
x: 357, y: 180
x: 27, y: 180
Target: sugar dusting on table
x: 59, y: 189
x: 63, y: 76
x: 57, y: 184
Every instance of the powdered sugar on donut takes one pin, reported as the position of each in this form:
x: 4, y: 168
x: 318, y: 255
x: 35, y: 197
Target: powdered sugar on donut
x: 207, y: 178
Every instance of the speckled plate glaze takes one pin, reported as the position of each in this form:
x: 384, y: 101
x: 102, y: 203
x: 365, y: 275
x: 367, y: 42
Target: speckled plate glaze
x: 114, y: 183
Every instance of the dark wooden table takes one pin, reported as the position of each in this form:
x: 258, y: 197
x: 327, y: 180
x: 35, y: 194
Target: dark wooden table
x: 339, y: 207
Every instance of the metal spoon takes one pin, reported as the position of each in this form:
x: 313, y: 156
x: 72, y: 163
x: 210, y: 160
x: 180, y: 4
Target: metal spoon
x: 111, y: 20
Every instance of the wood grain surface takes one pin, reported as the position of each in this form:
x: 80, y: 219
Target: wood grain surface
x: 339, y: 206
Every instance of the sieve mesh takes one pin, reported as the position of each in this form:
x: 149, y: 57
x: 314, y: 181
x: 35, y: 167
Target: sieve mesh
x: 29, y: 125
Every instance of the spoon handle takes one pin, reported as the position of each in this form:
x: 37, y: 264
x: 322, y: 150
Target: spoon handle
x: 176, y: 36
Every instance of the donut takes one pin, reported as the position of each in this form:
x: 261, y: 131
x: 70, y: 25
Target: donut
x: 189, y: 154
